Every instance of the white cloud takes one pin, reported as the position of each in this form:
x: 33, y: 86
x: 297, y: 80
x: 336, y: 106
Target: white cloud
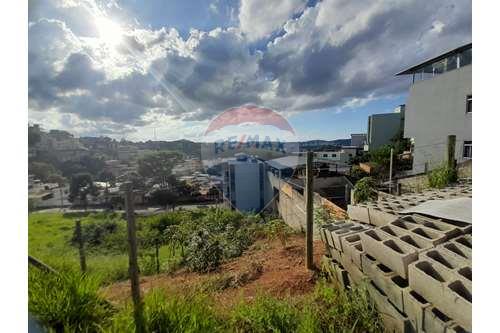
x: 259, y: 18
x: 335, y: 54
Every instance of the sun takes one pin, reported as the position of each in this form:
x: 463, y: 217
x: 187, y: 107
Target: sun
x: 110, y: 32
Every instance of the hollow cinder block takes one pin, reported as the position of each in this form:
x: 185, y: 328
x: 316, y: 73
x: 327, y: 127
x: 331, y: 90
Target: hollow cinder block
x: 415, y: 305
x: 389, y: 250
x: 431, y: 236
x: 353, y: 248
x: 446, y: 290
x: 339, y: 234
x: 389, y: 282
x: 356, y: 276
x: 449, y: 230
x: 394, y: 321
x: 436, y: 321
x: 358, y: 212
x: 380, y: 217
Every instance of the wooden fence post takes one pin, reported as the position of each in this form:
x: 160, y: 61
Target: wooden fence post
x: 309, y: 211
x: 132, y: 259
x: 81, y: 249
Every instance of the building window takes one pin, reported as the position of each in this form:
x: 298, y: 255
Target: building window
x: 468, y: 100
x: 325, y: 155
x: 334, y: 155
x: 467, y: 149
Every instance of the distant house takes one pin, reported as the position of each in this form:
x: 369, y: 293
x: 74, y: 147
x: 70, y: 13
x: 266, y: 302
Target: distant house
x: 244, y: 183
x: 358, y: 140
x: 383, y: 127
x: 440, y: 104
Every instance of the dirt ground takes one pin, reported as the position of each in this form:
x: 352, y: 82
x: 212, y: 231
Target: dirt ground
x: 267, y: 267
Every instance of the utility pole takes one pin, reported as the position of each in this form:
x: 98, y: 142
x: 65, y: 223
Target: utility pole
x: 132, y: 259
x: 390, y: 172
x: 309, y: 210
x: 450, y: 153
x: 81, y: 249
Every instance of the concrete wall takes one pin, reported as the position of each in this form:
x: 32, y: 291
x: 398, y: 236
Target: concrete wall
x: 291, y: 204
x: 435, y: 109
x: 382, y: 128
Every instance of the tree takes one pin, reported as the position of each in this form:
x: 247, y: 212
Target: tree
x: 158, y: 165
x: 42, y: 170
x: 164, y: 197
x: 81, y: 185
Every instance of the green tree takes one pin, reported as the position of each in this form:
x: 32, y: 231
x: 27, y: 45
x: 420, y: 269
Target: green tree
x: 158, y: 165
x: 80, y: 187
x: 42, y: 170
x: 164, y: 197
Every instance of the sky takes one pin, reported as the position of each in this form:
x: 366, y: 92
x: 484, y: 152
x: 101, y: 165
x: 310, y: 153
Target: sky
x: 141, y: 70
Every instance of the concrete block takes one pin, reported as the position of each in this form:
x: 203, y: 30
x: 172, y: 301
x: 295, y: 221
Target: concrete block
x: 451, y: 293
x: 358, y: 212
x: 389, y: 282
x: 415, y: 305
x: 419, y: 243
x: 436, y: 321
x: 339, y: 234
x: 394, y: 321
x: 458, y: 249
x: 331, y: 228
x: 356, y: 276
x: 342, y: 276
x: 353, y: 249
x: 379, y: 217
x: 389, y: 250
x: 454, y: 328
x: 431, y: 236
x: 335, y: 254
x: 366, y: 261
x: 436, y: 224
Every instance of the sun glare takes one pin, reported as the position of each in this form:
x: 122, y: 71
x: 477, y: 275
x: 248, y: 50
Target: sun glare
x: 109, y: 32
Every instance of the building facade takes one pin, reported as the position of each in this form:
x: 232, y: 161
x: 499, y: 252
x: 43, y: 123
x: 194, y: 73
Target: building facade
x: 244, y: 185
x: 440, y: 104
x: 383, y: 127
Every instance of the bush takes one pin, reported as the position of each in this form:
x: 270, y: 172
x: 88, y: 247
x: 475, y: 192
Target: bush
x: 204, y: 252
x: 364, y: 190
x: 67, y: 302
x: 172, y: 313
x: 441, y: 177
x: 278, y: 229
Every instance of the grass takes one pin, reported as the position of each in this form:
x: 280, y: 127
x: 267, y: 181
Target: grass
x: 68, y: 302
x: 50, y: 237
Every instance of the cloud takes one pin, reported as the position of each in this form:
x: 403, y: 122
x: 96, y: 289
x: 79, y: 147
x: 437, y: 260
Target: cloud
x: 259, y: 18
x: 336, y: 53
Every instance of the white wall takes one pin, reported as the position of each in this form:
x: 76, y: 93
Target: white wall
x: 435, y: 109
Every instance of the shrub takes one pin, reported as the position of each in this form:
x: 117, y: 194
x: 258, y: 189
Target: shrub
x: 67, y: 302
x: 278, y: 229
x: 204, y: 252
x: 441, y: 177
x: 364, y: 190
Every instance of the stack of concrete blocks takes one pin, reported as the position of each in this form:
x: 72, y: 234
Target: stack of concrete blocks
x: 388, y: 207
x: 340, y: 239
x: 418, y: 270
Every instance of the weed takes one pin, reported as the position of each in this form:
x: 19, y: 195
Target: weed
x: 67, y: 302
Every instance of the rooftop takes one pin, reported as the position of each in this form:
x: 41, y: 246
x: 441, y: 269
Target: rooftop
x: 427, y: 66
